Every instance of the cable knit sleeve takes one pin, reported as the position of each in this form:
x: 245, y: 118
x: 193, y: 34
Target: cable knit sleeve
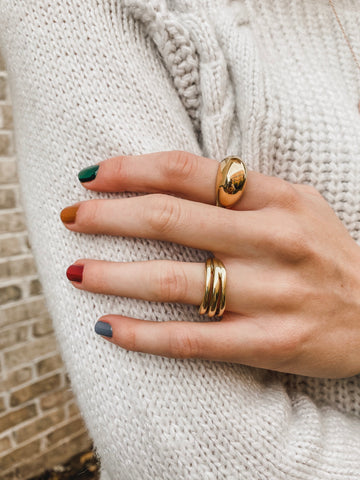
x: 93, y: 79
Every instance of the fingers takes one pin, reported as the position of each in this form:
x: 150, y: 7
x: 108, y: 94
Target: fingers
x: 187, y: 174
x: 183, y: 174
x: 234, y: 339
x: 160, y: 280
x: 249, y: 290
x: 164, y: 217
x: 172, y: 339
x: 245, y: 336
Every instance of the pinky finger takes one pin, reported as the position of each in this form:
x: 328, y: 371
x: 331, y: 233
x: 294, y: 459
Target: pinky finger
x: 233, y: 339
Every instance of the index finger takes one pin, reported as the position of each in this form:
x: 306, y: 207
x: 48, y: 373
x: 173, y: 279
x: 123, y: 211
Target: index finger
x: 180, y: 173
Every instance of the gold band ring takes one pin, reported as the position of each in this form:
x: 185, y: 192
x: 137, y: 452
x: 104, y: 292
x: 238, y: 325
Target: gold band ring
x: 215, y: 283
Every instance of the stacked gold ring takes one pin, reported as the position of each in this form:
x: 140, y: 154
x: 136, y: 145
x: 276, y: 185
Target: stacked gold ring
x: 215, y: 283
x: 230, y: 184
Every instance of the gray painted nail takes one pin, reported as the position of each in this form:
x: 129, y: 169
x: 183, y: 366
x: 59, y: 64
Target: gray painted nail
x: 103, y: 328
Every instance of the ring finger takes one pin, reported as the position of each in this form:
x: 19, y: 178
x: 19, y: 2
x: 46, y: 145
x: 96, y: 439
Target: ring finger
x: 178, y: 282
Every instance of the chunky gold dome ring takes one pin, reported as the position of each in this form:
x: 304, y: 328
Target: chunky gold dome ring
x: 230, y: 181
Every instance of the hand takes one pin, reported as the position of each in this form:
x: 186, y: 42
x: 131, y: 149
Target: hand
x: 293, y: 281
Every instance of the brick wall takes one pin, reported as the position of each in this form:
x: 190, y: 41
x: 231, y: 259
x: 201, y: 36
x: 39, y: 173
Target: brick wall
x: 40, y: 424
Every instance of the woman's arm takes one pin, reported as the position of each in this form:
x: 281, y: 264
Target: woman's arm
x: 88, y: 84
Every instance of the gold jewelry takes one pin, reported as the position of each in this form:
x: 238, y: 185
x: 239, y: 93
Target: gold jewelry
x: 214, y: 301
x: 332, y: 5
x: 230, y: 181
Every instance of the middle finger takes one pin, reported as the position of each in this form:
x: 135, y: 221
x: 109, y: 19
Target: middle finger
x: 165, y: 217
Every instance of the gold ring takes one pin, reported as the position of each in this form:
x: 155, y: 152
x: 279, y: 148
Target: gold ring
x: 214, y: 301
x: 230, y: 181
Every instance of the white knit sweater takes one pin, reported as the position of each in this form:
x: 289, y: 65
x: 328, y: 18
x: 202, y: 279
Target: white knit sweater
x: 271, y: 80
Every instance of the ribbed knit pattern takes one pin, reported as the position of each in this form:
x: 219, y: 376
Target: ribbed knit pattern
x: 271, y: 80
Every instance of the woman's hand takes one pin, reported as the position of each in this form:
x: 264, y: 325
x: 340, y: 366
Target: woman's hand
x: 293, y: 276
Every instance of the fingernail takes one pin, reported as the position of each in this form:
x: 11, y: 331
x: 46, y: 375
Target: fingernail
x: 89, y: 173
x: 75, y: 273
x: 68, y: 215
x: 103, y: 328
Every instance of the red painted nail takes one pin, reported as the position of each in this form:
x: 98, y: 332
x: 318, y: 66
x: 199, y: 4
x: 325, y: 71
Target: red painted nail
x: 75, y: 273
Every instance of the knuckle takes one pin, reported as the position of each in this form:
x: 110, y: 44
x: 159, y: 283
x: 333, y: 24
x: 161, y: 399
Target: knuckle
x: 297, y: 246
x: 89, y: 215
x: 118, y: 168
x: 98, y: 277
x: 179, y: 166
x: 171, y: 283
x: 284, y: 348
x: 129, y: 338
x: 183, y: 344
x: 284, y: 343
x: 164, y: 213
x: 289, y: 345
x: 290, y: 241
x: 288, y: 293
x: 314, y: 191
x: 309, y: 189
x: 287, y: 195
x: 281, y: 294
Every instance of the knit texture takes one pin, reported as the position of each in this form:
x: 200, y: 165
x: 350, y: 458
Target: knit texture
x: 271, y: 80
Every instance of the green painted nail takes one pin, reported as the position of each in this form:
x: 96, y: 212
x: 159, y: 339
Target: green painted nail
x: 89, y: 173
